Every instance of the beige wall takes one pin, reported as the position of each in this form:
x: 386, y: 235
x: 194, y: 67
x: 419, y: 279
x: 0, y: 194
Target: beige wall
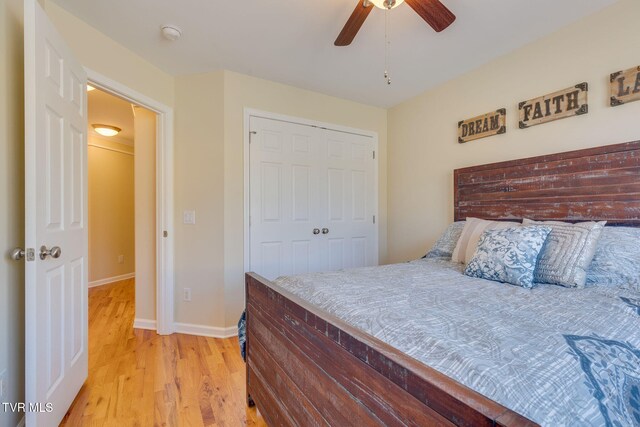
x: 12, y: 197
x: 199, y: 186
x: 210, y: 180
x: 145, y: 212
x: 422, y: 132
x: 111, y: 209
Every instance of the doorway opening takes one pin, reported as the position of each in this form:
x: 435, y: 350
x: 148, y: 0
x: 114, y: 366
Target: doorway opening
x: 121, y: 203
x: 155, y: 312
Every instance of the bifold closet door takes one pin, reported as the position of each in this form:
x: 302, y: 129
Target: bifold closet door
x: 312, y: 199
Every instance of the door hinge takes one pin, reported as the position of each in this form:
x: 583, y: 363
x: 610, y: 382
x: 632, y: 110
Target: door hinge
x: 165, y: 233
x: 374, y: 219
x: 251, y: 133
x: 374, y: 154
x: 30, y: 254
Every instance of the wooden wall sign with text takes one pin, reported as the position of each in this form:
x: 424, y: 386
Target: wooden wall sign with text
x: 482, y: 126
x: 558, y: 105
x: 625, y: 86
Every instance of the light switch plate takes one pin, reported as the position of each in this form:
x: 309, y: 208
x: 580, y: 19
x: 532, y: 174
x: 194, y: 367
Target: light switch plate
x: 189, y: 217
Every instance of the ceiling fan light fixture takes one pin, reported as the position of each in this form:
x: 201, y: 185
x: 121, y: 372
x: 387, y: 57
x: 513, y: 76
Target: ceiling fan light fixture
x: 106, y: 130
x: 386, y: 4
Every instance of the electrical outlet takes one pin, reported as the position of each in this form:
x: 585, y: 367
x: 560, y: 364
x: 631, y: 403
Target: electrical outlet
x: 3, y: 385
x: 187, y: 294
x: 120, y: 259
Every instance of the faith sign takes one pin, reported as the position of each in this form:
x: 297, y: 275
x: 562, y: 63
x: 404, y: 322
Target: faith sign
x: 558, y: 105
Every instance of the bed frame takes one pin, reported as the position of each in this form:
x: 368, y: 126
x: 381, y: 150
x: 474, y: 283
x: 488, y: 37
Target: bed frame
x: 307, y: 368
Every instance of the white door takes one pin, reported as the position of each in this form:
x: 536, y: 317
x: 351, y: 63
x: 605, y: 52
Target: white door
x: 284, y: 189
x: 56, y: 217
x: 348, y: 194
x: 312, y: 199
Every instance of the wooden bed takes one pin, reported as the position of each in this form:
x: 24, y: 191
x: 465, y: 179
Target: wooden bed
x: 306, y: 367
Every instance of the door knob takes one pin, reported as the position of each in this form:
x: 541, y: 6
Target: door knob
x: 17, y: 254
x: 325, y: 231
x: 54, y: 252
x: 316, y: 231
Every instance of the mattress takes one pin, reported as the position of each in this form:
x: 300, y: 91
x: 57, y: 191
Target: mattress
x: 559, y: 356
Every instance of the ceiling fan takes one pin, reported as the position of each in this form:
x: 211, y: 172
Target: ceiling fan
x: 435, y: 13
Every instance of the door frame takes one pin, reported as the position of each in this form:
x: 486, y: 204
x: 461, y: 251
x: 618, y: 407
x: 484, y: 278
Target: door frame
x: 164, y: 323
x: 251, y: 112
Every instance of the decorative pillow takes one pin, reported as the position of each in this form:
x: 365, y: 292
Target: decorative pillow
x: 508, y: 255
x: 447, y: 242
x: 617, y: 258
x: 568, y: 253
x: 468, y: 241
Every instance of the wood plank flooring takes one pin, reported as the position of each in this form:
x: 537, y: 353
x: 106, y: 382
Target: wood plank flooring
x: 138, y: 378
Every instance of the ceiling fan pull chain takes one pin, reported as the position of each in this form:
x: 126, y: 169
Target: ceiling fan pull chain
x: 387, y: 78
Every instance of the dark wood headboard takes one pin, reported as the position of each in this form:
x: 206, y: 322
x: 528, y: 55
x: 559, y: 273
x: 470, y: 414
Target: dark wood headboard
x: 600, y: 183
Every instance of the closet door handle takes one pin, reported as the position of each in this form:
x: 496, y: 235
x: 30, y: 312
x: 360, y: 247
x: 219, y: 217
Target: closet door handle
x: 325, y: 231
x: 316, y: 231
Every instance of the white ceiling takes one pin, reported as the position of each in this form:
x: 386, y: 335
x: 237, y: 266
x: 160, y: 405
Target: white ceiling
x: 106, y: 109
x: 291, y: 41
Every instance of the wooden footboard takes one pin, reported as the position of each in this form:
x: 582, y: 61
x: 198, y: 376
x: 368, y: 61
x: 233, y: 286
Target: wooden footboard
x: 308, y: 368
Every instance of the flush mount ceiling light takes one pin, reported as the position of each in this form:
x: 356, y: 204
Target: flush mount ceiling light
x: 171, y: 32
x: 386, y: 4
x: 106, y: 130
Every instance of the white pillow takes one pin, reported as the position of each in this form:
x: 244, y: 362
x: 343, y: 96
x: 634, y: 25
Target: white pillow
x: 473, y: 229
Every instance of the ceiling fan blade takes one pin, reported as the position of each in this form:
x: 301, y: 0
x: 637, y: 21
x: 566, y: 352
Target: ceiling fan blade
x: 351, y: 28
x: 435, y: 13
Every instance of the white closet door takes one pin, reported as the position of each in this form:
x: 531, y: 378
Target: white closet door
x: 312, y: 199
x: 285, y: 207
x: 348, y: 192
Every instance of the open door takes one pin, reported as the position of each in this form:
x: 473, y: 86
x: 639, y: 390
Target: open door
x: 56, y: 221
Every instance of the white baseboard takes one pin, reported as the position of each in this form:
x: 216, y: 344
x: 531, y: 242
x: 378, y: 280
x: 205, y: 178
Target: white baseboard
x: 111, y: 280
x: 22, y: 422
x: 205, y: 331
x: 190, y: 329
x: 144, y: 324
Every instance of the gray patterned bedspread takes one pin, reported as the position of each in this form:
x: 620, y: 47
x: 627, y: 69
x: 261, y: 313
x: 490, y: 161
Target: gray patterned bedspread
x: 559, y: 356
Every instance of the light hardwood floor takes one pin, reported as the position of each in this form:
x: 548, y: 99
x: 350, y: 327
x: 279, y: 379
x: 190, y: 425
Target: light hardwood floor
x: 138, y: 378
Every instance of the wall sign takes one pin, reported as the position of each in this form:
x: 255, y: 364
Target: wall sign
x: 482, y: 126
x: 558, y: 105
x: 625, y: 86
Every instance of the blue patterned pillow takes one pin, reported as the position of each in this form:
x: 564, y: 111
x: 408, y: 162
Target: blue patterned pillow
x: 447, y: 242
x: 617, y: 258
x: 508, y: 255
